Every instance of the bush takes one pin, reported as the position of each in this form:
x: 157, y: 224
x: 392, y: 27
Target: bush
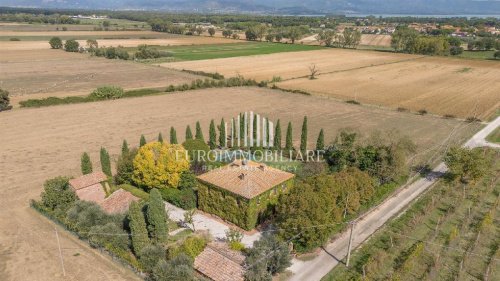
x: 455, y: 51
x: 179, y: 268
x: 57, y: 194
x: 14, y: 39
x: 422, y: 112
x: 4, y: 100
x: 71, y: 46
x: 182, y: 198
x: 192, y: 247
x: 106, y: 93
x: 353, y: 102
x: 150, y: 255
x: 109, y: 235
x: 497, y: 55
x: 146, y: 52
x: 56, y: 43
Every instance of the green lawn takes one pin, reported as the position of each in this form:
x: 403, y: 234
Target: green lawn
x: 216, y: 51
x: 477, y: 55
x: 494, y: 136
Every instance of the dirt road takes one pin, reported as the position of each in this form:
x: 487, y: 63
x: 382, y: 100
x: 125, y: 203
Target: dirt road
x: 334, y: 252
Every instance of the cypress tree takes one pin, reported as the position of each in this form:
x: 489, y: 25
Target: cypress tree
x: 173, y: 136
x: 242, y: 126
x: 160, y: 137
x: 254, y: 133
x: 142, y: 142
x: 157, y: 217
x: 125, y: 148
x: 189, y: 134
x: 267, y: 133
x: 277, y: 136
x: 320, y: 143
x: 138, y: 228
x: 86, y: 165
x: 303, y: 136
x: 289, y: 140
x: 199, y: 133
x: 105, y: 162
x: 222, y: 133
x: 212, y: 135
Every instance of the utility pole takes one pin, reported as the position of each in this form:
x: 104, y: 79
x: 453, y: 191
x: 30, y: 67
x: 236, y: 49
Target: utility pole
x: 352, y: 223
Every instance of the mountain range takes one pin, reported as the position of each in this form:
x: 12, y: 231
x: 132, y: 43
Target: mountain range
x: 411, y: 7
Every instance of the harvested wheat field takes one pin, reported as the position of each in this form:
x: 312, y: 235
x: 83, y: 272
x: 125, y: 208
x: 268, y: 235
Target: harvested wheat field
x: 44, y: 73
x: 125, y: 42
x: 379, y: 40
x: 45, y: 142
x: 462, y: 88
x: 292, y: 64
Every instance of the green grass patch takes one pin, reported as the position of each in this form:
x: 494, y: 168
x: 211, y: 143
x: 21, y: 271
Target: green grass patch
x: 483, y: 55
x: 494, y: 136
x: 135, y: 191
x: 217, y: 51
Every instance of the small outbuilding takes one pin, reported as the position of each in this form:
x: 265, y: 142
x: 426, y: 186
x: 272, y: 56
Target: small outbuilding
x: 93, y: 187
x: 242, y: 192
x: 219, y: 263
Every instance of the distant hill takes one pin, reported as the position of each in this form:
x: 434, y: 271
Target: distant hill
x: 447, y: 7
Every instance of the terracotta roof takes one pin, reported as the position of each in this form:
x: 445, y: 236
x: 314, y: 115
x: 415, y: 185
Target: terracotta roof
x: 93, y: 193
x: 118, y: 202
x: 247, y: 180
x: 88, y: 180
x: 219, y: 263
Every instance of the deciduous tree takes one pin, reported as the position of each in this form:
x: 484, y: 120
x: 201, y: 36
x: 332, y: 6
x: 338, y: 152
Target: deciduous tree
x: 160, y: 165
x: 56, y: 43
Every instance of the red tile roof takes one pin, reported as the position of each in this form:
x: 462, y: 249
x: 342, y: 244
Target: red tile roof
x: 219, y: 263
x: 93, y: 193
x: 87, y: 180
x: 118, y: 202
x: 248, y: 180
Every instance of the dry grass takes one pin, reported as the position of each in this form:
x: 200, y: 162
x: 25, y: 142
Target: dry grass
x: 291, y: 65
x: 379, y: 40
x: 438, y: 85
x: 45, y: 142
x: 43, y: 73
x: 132, y: 42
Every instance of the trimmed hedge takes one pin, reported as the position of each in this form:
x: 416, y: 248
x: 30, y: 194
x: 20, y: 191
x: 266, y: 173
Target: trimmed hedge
x: 182, y: 198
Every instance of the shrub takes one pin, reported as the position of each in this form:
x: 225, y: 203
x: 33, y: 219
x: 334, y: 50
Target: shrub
x: 182, y: 198
x: 353, y: 102
x: 179, y: 268
x: 57, y: 194
x: 150, y: 256
x: 192, y: 247
x: 146, y: 52
x: 4, y: 100
x: 422, y: 112
x: 472, y: 119
x: 110, y: 235
x: 71, y: 45
x: 160, y: 165
x: 497, y: 55
x: 402, y: 109
x: 106, y: 93
x: 14, y: 39
x: 449, y: 116
x: 456, y: 50
x: 56, y: 43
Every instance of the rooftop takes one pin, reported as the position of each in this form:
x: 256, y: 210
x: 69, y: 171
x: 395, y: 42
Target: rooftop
x: 118, y: 202
x: 87, y: 180
x: 246, y: 178
x: 219, y: 263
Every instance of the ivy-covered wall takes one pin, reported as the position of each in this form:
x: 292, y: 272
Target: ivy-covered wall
x: 237, y: 209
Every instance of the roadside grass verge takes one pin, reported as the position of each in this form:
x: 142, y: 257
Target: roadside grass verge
x: 494, y: 136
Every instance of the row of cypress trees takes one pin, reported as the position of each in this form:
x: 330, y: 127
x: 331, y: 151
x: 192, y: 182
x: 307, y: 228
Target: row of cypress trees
x: 86, y: 164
